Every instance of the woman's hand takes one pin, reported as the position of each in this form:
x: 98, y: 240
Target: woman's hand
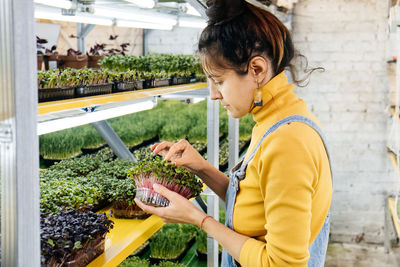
x: 179, y: 210
x: 181, y: 153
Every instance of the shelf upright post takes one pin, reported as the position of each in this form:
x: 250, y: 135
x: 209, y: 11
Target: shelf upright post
x: 113, y: 140
x: 213, y: 158
x: 233, y: 142
x: 82, y: 31
x: 19, y: 146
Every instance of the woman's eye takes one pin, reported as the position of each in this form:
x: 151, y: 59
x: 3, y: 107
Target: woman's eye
x: 217, y: 83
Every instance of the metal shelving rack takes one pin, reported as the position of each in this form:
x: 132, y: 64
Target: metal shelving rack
x: 22, y: 120
x: 128, y: 235
x: 391, y: 211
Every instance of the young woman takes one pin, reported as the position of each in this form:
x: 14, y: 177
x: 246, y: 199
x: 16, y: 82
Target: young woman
x: 278, y: 198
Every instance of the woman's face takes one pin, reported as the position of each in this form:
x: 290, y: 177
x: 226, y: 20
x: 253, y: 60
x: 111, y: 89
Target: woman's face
x: 235, y: 92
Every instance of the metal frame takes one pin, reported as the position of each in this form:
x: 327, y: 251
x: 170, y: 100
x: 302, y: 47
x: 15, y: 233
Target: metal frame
x: 20, y: 224
x: 113, y: 140
x: 82, y: 31
x: 233, y: 142
x: 213, y: 158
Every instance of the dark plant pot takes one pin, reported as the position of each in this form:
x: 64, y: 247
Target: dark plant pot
x: 139, y: 84
x: 47, y: 58
x: 180, y: 80
x: 161, y: 82
x: 88, y: 253
x: 124, y: 86
x: 201, y: 256
x: 93, y: 62
x: 121, y: 209
x: 39, y: 62
x: 148, y: 83
x: 144, y: 143
x: 91, y: 150
x: 75, y: 62
x: 93, y: 89
x: 51, y: 94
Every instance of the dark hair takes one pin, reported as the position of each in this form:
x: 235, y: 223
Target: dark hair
x: 238, y: 31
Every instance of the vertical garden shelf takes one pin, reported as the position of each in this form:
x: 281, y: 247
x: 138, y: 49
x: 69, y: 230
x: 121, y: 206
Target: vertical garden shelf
x: 127, y: 234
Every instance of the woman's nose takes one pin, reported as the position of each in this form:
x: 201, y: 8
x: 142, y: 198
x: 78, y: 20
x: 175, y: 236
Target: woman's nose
x: 214, y: 93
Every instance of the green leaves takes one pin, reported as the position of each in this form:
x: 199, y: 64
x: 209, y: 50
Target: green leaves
x: 169, y: 242
x: 161, y: 65
x: 78, y: 245
x: 51, y: 242
x: 135, y: 262
x: 175, y: 178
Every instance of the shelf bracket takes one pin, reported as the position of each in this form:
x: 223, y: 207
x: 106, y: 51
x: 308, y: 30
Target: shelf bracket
x: 113, y: 140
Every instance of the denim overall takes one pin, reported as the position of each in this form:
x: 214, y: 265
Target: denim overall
x: 319, y: 246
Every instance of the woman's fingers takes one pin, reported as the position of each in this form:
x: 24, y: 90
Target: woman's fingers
x: 165, y: 192
x: 161, y: 146
x: 146, y: 208
x: 176, y: 150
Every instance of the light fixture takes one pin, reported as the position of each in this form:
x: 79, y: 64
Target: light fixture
x: 54, y: 125
x: 192, y: 11
x: 56, y: 3
x: 81, y: 18
x: 193, y: 22
x: 142, y: 25
x: 143, y: 3
x: 137, y: 15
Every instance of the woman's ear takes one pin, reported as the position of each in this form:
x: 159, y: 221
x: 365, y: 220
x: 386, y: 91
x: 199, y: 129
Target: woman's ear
x: 259, y: 68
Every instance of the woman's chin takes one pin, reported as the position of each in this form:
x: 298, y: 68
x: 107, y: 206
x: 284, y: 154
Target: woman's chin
x: 233, y: 114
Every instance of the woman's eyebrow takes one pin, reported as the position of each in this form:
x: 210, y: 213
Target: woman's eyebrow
x: 213, y: 76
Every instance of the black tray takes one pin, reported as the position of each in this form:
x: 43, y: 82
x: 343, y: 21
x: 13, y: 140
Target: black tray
x: 93, y: 89
x: 51, y: 94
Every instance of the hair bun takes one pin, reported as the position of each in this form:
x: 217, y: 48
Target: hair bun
x: 221, y: 11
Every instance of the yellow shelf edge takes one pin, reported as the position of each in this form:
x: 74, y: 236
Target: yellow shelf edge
x: 48, y: 107
x: 393, y: 158
x: 391, y: 205
x: 126, y: 236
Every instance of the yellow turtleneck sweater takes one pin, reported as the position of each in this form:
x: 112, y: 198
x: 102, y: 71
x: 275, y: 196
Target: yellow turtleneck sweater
x: 284, y: 199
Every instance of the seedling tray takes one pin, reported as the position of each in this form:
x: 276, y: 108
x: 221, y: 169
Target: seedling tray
x: 52, y: 94
x: 124, y: 86
x: 93, y: 89
x: 161, y: 82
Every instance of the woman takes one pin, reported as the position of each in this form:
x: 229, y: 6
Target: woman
x: 278, y: 198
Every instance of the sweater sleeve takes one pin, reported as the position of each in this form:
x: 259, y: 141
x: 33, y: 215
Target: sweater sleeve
x: 287, y: 168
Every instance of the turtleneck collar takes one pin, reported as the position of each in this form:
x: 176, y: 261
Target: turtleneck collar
x: 270, y: 91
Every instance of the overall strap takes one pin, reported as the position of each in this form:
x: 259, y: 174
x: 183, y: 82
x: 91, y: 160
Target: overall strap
x: 274, y: 127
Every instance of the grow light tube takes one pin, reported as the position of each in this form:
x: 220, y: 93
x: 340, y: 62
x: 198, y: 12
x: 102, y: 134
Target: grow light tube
x: 56, y: 3
x: 142, y: 25
x: 143, y: 3
x: 137, y: 15
x: 86, y: 118
x: 192, y: 22
x: 40, y: 14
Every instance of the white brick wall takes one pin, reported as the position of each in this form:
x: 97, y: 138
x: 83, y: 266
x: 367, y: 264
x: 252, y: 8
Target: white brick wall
x: 178, y: 41
x: 348, y: 38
